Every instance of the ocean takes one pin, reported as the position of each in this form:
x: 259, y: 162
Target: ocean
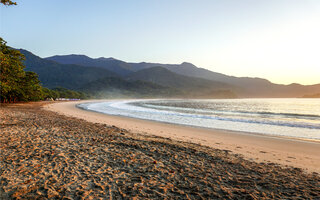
x: 296, y: 118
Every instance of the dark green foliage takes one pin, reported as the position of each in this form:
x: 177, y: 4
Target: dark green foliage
x: 60, y: 92
x: 50, y: 94
x: 19, y: 85
x: 11, y: 72
x: 8, y: 2
x: 30, y: 88
x: 70, y: 94
x: 16, y: 84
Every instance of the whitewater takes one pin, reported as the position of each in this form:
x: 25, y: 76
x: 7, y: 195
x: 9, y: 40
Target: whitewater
x: 296, y: 118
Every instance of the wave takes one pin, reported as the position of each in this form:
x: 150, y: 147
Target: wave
x: 236, y: 113
x: 282, y: 123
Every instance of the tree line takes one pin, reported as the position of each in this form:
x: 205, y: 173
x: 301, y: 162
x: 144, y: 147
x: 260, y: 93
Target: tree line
x: 17, y: 85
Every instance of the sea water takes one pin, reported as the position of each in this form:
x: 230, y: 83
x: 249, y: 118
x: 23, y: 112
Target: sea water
x: 298, y: 118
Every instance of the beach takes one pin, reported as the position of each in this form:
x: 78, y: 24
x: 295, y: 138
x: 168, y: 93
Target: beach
x: 55, y: 150
x: 260, y: 148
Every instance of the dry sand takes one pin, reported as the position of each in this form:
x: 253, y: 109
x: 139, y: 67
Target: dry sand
x: 44, y: 155
x: 258, y: 148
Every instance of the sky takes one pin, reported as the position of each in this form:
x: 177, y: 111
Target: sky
x: 274, y: 39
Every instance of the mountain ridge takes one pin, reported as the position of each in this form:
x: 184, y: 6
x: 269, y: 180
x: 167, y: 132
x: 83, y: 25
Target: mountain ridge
x: 99, y: 82
x: 244, y: 86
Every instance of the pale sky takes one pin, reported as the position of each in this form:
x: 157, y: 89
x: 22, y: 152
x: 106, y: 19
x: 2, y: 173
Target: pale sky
x: 274, y: 39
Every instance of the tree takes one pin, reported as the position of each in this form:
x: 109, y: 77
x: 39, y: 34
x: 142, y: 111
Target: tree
x: 18, y: 85
x: 15, y: 83
x: 8, y: 2
x: 11, y: 71
x: 30, y: 88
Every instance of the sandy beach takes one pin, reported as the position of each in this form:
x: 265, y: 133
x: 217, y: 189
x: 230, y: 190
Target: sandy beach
x: 258, y: 148
x: 77, y: 154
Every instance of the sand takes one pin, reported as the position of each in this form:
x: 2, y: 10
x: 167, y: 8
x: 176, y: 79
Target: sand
x: 45, y: 155
x: 260, y: 148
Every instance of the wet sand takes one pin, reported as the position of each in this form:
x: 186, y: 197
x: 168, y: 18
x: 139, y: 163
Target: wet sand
x: 260, y: 148
x: 45, y: 155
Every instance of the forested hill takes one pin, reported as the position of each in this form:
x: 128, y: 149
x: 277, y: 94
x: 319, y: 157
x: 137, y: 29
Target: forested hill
x: 77, y: 71
x: 119, y: 67
x: 99, y: 81
x: 165, y: 77
x: 243, y: 86
x: 53, y: 74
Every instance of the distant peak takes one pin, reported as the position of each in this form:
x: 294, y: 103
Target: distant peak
x: 187, y: 64
x: 103, y: 58
x: 70, y: 55
x: 76, y: 55
x: 294, y: 84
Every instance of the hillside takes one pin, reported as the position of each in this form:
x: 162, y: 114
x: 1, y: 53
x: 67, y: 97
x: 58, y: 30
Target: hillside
x: 192, y: 87
x: 117, y: 66
x: 184, y: 76
x: 111, y: 87
x: 162, y: 76
x: 53, y: 74
x: 96, y: 81
x: 246, y: 86
x: 243, y: 86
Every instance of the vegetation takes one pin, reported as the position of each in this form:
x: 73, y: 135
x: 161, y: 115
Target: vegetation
x: 16, y: 84
x: 53, y: 74
x: 20, y: 83
x: 60, y: 92
x: 115, y: 87
x: 8, y: 2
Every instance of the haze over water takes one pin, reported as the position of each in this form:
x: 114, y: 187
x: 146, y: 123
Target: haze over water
x: 298, y: 118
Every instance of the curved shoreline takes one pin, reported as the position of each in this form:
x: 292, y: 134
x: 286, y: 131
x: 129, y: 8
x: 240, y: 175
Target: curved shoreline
x: 259, y: 148
x: 198, y: 127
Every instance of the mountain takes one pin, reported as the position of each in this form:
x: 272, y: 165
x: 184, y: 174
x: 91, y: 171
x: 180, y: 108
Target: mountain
x: 243, y: 86
x: 96, y: 81
x: 117, y: 66
x: 246, y: 87
x: 189, y: 86
x: 53, y: 74
x: 186, y: 76
x: 192, y: 87
x: 111, y: 87
x: 165, y: 77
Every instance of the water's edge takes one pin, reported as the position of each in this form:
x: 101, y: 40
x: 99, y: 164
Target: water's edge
x: 143, y: 116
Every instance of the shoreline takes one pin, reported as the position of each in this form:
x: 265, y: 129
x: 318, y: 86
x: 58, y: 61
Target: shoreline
x: 203, y: 128
x: 46, y: 155
x: 285, y: 151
